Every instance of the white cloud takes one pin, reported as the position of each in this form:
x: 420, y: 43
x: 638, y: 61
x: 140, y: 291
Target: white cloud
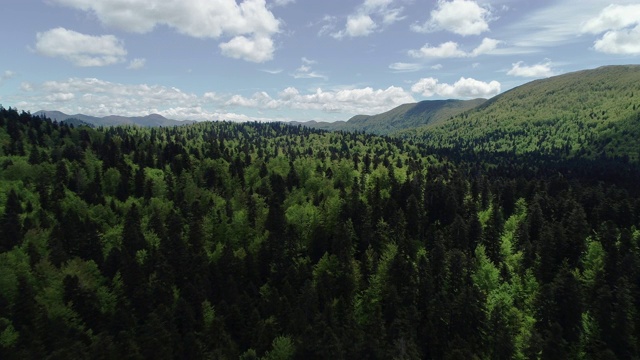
x: 328, y: 25
x: 367, y: 19
x: 26, y: 86
x: 137, y: 63
x: 451, y: 49
x: 257, y: 49
x: 621, y: 27
x: 60, y: 97
x: 462, y: 17
x: 98, y: 97
x: 80, y: 49
x: 249, y: 24
x: 486, y: 46
x: 463, y: 88
x: 353, y: 101
x: 272, y: 71
x: 308, y: 61
x: 436, y: 67
x: 619, y: 42
x: 305, y: 71
x: 357, y: 25
x: 283, y: 2
x: 448, y: 49
x: 540, y: 70
x: 613, y: 17
x: 6, y: 75
x: 405, y: 67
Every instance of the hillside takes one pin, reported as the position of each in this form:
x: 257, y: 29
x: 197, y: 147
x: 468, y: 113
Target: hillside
x: 405, y: 116
x: 590, y: 113
x: 114, y: 120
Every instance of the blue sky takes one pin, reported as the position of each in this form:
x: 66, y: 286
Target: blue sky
x: 295, y: 59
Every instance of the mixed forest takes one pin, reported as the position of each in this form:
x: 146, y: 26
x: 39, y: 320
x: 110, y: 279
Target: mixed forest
x: 270, y: 241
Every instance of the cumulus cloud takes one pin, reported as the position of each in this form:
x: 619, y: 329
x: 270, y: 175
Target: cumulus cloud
x: 370, y: 16
x: 250, y: 24
x: 137, y: 64
x: 619, y: 42
x: 6, y: 75
x: 613, y: 17
x: 540, y: 70
x: 405, y: 67
x: 462, y: 17
x: 80, y: 49
x: 486, y: 46
x: 257, y: 49
x: 451, y: 49
x: 357, y: 25
x: 463, y: 88
x: 621, y: 27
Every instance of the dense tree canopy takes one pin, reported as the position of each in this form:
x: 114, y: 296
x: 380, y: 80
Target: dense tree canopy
x: 254, y: 240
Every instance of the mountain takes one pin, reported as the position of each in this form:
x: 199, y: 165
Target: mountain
x: 403, y: 117
x: 589, y: 113
x: 114, y: 120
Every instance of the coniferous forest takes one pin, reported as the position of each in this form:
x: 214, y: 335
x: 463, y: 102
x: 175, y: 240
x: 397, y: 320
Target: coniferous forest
x: 269, y: 241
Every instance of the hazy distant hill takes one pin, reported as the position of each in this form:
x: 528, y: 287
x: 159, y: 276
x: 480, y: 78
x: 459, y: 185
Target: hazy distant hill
x: 113, y: 120
x: 405, y: 116
x: 588, y: 113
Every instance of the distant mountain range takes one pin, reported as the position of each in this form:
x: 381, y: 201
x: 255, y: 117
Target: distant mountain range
x: 112, y: 120
x: 406, y: 116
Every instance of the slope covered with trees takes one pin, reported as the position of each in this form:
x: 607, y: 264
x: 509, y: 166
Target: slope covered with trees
x: 585, y: 114
x: 407, y: 116
x: 225, y: 241
x: 112, y: 120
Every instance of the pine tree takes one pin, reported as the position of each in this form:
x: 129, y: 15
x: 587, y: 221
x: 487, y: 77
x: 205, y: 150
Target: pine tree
x: 11, y: 226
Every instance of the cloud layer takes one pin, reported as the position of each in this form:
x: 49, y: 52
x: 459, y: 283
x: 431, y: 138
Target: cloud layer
x: 99, y: 97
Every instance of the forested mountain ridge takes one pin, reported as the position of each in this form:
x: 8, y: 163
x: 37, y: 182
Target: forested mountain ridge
x: 113, y: 120
x: 226, y: 240
x: 584, y: 114
x: 405, y: 116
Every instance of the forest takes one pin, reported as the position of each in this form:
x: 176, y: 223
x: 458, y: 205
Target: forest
x: 224, y: 240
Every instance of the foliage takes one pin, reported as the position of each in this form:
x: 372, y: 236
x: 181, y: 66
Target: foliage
x: 254, y: 240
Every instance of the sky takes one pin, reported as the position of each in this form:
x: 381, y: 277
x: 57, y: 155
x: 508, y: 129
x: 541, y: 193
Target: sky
x: 300, y: 60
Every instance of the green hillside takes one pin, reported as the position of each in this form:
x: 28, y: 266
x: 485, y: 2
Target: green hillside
x: 403, y: 117
x: 588, y: 113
